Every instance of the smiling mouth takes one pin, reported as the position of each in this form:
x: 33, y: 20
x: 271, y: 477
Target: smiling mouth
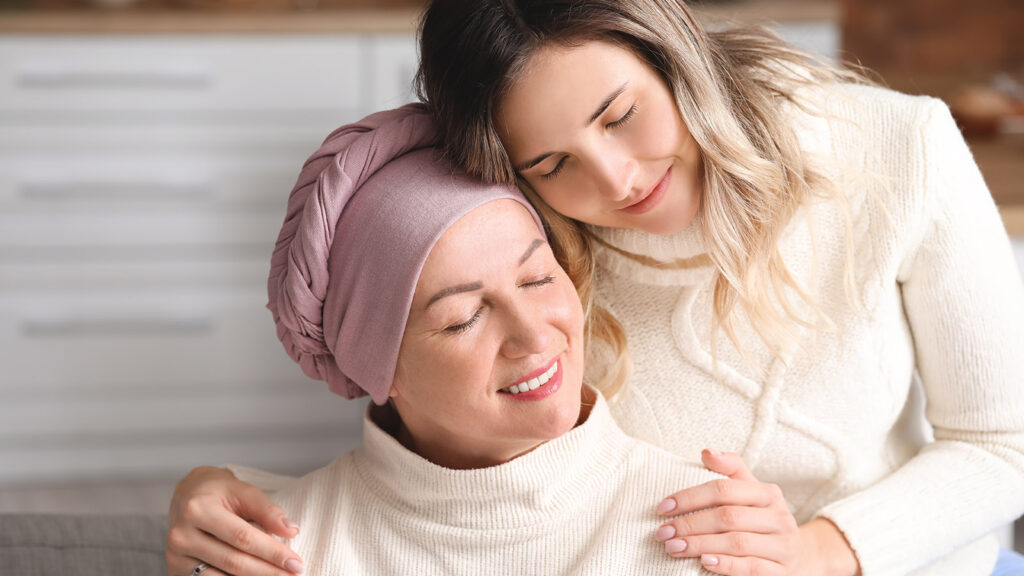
x: 651, y: 197
x: 533, y: 383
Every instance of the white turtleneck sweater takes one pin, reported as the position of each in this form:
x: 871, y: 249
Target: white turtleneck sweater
x: 836, y: 426
x: 583, y: 503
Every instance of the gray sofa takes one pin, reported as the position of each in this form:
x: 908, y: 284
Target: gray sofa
x: 88, y: 545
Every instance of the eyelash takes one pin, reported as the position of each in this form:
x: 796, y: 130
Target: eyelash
x: 616, y: 124
x: 460, y: 328
x: 555, y: 171
x: 625, y: 118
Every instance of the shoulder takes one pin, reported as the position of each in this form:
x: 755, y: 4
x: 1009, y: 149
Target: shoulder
x: 310, y: 494
x: 860, y: 118
x: 878, y: 143
x: 664, y: 471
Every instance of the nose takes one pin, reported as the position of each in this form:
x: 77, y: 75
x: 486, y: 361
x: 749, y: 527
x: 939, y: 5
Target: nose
x: 613, y: 172
x: 526, y: 332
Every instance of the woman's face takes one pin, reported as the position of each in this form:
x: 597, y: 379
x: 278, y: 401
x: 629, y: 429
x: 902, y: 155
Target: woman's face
x: 597, y: 134
x: 492, y: 310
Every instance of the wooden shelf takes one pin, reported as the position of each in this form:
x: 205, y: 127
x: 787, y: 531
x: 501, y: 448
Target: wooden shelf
x: 282, y: 16
x: 154, y: 19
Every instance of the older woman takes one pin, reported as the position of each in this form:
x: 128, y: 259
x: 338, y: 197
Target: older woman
x: 440, y: 298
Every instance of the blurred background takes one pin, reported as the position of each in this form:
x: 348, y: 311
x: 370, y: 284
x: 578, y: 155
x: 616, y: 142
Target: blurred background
x: 145, y: 150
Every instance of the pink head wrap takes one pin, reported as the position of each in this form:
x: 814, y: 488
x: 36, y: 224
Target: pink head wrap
x: 345, y: 265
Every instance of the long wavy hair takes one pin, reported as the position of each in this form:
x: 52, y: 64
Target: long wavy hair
x: 729, y: 86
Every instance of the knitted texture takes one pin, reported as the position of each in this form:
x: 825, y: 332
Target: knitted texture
x: 834, y: 422
x: 583, y: 503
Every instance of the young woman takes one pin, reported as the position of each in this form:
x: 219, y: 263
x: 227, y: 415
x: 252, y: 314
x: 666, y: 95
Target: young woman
x: 786, y: 250
x: 440, y: 298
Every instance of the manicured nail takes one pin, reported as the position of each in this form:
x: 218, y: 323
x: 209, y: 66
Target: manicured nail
x: 675, y: 546
x: 290, y: 524
x: 708, y: 560
x: 293, y: 565
x: 667, y: 505
x: 665, y: 532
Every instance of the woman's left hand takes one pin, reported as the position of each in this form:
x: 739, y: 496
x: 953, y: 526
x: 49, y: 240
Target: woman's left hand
x: 740, y: 526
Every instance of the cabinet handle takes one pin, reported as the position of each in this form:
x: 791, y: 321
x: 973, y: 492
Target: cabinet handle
x: 113, y: 190
x: 115, y: 327
x: 64, y: 76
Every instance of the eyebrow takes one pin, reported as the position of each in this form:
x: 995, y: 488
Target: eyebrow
x: 470, y: 287
x: 597, y: 114
x: 537, y: 243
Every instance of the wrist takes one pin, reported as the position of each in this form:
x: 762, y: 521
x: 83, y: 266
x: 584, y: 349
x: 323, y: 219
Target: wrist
x: 825, y: 550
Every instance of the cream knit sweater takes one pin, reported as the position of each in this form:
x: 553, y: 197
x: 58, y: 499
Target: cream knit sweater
x: 583, y: 503
x: 837, y: 426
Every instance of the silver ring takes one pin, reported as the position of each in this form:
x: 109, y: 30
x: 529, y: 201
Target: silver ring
x: 202, y: 566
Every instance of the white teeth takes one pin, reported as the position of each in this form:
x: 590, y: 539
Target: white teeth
x: 533, y: 383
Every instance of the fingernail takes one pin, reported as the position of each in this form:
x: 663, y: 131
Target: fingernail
x: 665, y: 532
x: 714, y: 452
x: 293, y: 565
x: 667, y: 505
x: 708, y: 560
x: 675, y: 546
x: 290, y: 524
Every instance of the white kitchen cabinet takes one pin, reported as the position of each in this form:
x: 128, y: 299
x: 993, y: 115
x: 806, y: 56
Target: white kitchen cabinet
x: 143, y: 180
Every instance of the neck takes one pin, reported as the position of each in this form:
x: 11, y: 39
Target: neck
x: 388, y: 419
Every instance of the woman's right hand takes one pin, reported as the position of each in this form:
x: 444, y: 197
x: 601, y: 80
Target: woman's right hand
x: 210, y: 517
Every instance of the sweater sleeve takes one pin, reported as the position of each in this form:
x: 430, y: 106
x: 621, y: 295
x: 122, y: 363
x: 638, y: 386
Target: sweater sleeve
x: 963, y: 299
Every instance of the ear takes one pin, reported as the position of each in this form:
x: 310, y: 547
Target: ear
x: 396, y: 382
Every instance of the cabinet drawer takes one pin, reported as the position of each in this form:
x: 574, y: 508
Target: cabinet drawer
x: 209, y: 270
x: 155, y: 340
x: 290, y: 408
x: 103, y: 180
x: 173, y: 73
x: 87, y: 233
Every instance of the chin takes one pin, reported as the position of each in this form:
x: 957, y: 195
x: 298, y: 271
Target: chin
x: 670, y: 223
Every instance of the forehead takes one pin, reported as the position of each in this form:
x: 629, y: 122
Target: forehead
x: 491, y: 237
x: 560, y: 87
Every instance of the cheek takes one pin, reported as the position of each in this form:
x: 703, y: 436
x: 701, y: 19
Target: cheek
x: 441, y: 370
x: 656, y: 138
x: 568, y: 311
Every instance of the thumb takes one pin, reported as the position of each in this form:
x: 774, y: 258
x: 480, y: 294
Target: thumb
x: 726, y: 464
x: 256, y: 506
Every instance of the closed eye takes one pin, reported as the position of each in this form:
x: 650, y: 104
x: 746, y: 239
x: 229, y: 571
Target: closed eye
x: 460, y: 328
x: 625, y: 118
x: 554, y: 172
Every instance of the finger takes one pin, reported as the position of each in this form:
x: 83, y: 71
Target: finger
x: 736, y: 544
x: 235, y: 532
x: 254, y: 504
x: 728, y: 519
x: 226, y: 559
x: 726, y: 464
x: 733, y: 566
x: 720, y: 492
x: 184, y: 566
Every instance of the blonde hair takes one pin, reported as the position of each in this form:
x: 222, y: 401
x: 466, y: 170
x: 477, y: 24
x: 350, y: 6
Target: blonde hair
x: 729, y: 86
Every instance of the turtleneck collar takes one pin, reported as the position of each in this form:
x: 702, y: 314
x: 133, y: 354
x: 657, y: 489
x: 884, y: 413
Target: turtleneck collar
x: 542, y: 485
x: 673, y: 259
